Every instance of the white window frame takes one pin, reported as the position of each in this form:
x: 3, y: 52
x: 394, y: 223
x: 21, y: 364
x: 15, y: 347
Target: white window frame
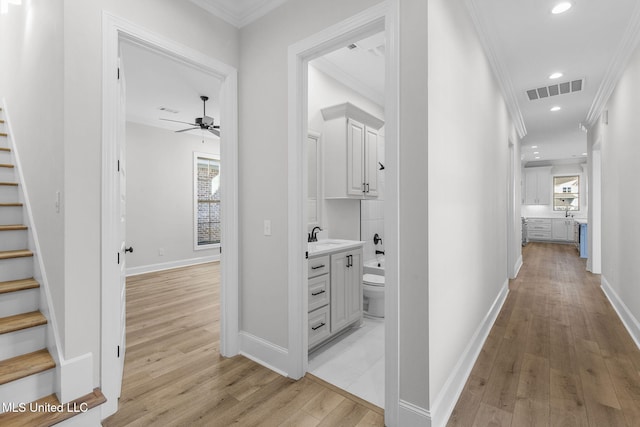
x: 196, y: 156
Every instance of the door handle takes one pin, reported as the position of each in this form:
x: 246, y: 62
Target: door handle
x: 129, y: 249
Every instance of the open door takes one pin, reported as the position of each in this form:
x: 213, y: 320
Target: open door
x: 122, y: 211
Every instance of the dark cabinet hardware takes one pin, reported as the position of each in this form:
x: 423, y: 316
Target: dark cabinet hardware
x: 315, y: 328
x: 315, y: 294
x: 315, y: 267
x: 129, y: 249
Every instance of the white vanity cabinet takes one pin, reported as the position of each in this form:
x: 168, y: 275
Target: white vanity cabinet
x: 346, y: 288
x: 334, y: 292
x: 351, y: 152
x: 537, y: 186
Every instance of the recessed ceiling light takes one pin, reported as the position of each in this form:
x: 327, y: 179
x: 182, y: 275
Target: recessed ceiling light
x: 584, y: 154
x: 555, y: 76
x: 536, y: 152
x: 537, y: 157
x: 534, y: 146
x: 561, y: 7
x: 556, y: 108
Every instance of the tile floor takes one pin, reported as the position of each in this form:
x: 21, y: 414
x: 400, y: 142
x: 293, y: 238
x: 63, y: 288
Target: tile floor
x: 354, y: 361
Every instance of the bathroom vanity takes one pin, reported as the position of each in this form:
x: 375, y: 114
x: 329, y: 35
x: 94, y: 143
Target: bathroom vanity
x: 334, y: 288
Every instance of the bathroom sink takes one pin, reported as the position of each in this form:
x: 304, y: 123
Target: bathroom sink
x: 326, y: 245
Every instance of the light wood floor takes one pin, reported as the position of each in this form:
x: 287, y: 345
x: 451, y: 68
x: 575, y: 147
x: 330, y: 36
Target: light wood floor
x: 174, y: 374
x: 557, y: 356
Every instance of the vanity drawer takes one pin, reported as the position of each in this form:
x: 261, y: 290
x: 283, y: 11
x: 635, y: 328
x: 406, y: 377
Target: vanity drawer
x: 319, y: 288
x: 539, y: 220
x: 319, y: 325
x: 539, y: 227
x: 538, y: 234
x: 318, y: 266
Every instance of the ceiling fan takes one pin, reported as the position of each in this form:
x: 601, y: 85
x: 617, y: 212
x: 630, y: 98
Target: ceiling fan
x: 204, y: 122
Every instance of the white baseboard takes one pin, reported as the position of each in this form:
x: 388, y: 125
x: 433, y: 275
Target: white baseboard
x: 628, y: 319
x: 134, y: 271
x: 413, y: 415
x: 265, y: 353
x: 76, y: 377
x: 518, y: 266
x: 446, y: 400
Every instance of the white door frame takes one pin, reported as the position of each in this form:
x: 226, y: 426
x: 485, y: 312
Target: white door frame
x: 115, y: 30
x: 382, y: 17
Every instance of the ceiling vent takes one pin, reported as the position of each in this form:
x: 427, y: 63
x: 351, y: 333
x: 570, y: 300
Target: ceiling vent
x: 168, y: 110
x: 555, y: 90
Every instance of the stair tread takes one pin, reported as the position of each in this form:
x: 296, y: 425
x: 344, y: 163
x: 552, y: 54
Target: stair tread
x: 18, y: 285
x: 15, y: 184
x: 21, y: 321
x: 25, y: 365
x: 8, y: 205
x: 5, y: 149
x: 46, y: 419
x: 5, y: 165
x: 12, y: 227
x: 15, y: 254
x: 3, y: 134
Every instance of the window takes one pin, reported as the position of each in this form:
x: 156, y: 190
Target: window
x: 566, y: 193
x: 207, y: 201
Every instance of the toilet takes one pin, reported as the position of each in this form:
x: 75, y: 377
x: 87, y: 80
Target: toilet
x: 373, y: 295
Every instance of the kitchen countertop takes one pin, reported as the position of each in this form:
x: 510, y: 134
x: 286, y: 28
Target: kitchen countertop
x: 325, y: 246
x: 580, y: 220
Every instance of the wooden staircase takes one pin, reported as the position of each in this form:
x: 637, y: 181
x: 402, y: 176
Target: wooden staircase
x: 27, y: 369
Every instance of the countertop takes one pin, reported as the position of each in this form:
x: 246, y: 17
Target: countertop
x: 325, y: 246
x: 580, y: 220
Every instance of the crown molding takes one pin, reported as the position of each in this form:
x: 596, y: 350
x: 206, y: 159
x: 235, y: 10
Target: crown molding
x: 616, y: 68
x: 329, y: 68
x: 238, y: 17
x: 494, y: 57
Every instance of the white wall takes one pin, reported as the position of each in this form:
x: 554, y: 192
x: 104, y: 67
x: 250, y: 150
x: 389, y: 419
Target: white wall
x: 468, y: 149
x: 31, y: 81
x: 546, y: 211
x: 160, y: 196
x: 620, y: 195
x: 263, y: 83
x: 180, y: 21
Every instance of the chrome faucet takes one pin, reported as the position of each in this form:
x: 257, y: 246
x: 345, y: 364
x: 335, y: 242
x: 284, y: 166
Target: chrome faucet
x: 313, y: 236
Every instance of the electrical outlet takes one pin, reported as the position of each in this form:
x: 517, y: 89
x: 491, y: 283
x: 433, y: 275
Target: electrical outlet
x: 267, y: 227
x: 160, y: 251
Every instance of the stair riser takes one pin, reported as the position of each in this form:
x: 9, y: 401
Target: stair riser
x: 11, y: 215
x: 8, y: 194
x: 22, y: 342
x: 7, y: 174
x: 13, y: 240
x: 5, y: 157
x: 28, y: 389
x: 14, y: 303
x: 16, y: 269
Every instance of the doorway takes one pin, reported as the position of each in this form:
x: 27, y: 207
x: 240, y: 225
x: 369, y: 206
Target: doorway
x: 374, y: 20
x: 115, y: 32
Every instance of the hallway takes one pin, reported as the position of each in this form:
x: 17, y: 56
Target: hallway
x: 557, y: 355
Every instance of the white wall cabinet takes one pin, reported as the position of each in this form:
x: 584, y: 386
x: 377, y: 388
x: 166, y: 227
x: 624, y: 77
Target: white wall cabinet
x: 351, y: 152
x: 346, y: 289
x: 537, y: 186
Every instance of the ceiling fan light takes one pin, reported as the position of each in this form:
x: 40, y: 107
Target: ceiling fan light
x: 561, y: 7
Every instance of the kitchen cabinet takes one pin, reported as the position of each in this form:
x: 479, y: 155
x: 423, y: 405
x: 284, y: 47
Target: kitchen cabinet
x: 346, y: 289
x: 562, y: 229
x: 351, y: 152
x: 537, y: 186
x: 538, y: 229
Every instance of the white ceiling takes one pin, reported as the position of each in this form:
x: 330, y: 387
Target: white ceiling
x: 531, y: 43
x: 154, y: 80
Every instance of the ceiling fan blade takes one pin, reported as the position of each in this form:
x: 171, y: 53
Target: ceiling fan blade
x: 184, y: 130
x: 177, y: 121
x: 214, y: 130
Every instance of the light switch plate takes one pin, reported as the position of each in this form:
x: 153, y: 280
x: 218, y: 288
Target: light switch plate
x: 267, y: 227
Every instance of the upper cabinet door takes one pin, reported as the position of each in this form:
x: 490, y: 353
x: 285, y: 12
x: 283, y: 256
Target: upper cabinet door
x: 371, y: 163
x: 355, y: 157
